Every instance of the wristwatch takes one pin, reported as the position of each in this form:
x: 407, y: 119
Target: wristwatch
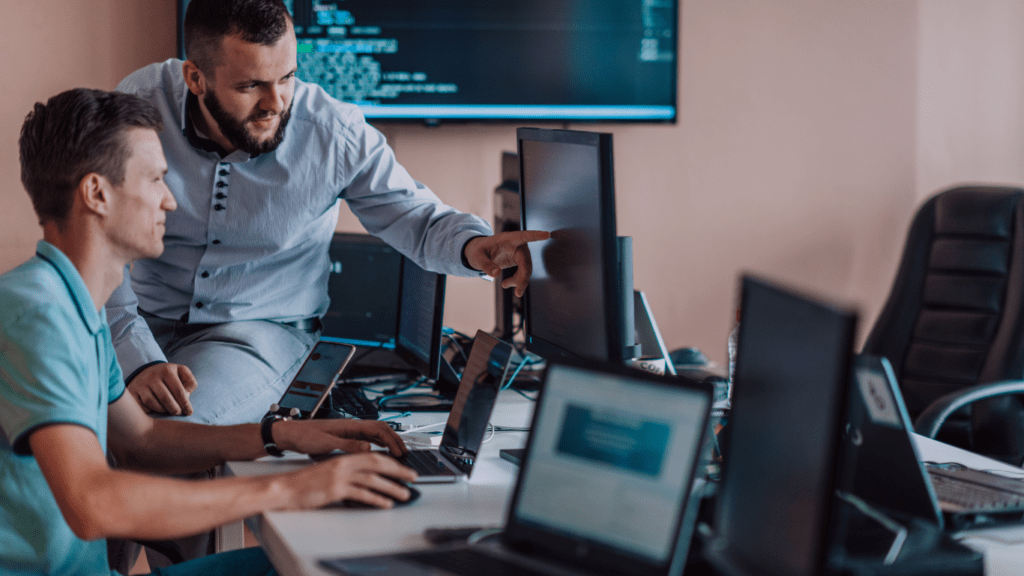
x: 268, y: 438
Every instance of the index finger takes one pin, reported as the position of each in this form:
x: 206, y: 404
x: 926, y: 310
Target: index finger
x: 384, y: 436
x: 524, y: 236
x: 188, y: 380
x: 176, y: 387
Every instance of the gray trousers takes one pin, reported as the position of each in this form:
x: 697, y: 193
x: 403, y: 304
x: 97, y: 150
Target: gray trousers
x: 241, y: 367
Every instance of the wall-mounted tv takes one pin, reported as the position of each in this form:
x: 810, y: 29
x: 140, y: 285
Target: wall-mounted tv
x: 536, y: 60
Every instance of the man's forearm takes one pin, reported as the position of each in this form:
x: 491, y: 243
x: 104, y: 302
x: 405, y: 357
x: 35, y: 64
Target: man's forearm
x: 175, y: 447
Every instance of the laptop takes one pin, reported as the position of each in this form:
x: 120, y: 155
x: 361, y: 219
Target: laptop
x: 605, y: 487
x: 489, y: 364
x: 888, y: 471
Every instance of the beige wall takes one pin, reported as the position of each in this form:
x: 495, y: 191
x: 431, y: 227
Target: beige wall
x: 801, y: 149
x: 971, y: 105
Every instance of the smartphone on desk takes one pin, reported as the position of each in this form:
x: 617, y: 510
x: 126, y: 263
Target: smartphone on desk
x: 315, y: 380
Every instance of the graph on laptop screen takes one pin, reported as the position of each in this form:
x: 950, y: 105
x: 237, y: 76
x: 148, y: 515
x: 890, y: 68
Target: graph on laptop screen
x: 573, y: 306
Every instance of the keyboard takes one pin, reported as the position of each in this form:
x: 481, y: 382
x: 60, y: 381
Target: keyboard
x: 470, y: 563
x: 426, y: 463
x: 977, y: 491
x: 353, y: 402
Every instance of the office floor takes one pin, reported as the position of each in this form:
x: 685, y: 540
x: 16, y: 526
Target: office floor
x: 142, y: 566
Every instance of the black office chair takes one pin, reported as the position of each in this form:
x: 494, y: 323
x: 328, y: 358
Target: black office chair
x: 953, y: 327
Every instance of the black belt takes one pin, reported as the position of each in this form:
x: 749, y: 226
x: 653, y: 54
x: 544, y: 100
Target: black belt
x: 310, y: 325
x: 306, y: 324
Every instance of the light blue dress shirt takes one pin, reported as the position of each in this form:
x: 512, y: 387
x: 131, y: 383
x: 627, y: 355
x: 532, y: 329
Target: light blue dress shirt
x: 57, y: 365
x: 250, y: 236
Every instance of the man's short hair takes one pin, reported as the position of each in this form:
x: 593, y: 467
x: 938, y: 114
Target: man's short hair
x: 207, y: 22
x: 76, y: 133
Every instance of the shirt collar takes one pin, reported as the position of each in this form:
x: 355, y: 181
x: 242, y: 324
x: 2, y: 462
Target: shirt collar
x: 199, y: 140
x: 93, y: 319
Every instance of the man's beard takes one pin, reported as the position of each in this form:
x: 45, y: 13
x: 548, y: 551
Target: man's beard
x: 235, y: 131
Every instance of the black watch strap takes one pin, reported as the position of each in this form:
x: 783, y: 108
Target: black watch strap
x: 268, y: 438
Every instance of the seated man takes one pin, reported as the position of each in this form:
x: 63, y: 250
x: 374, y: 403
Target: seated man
x: 94, y: 168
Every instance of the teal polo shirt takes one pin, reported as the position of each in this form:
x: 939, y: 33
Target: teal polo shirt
x: 57, y: 366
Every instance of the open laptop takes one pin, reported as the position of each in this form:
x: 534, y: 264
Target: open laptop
x: 489, y: 364
x: 888, y: 471
x: 605, y: 487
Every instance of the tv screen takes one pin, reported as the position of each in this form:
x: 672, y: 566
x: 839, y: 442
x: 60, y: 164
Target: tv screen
x: 561, y: 60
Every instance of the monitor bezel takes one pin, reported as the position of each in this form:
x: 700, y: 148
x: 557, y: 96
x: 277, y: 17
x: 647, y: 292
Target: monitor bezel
x: 612, y: 288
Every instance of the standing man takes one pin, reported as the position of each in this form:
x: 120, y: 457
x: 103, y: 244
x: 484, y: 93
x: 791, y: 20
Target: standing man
x: 93, y: 166
x: 215, y: 328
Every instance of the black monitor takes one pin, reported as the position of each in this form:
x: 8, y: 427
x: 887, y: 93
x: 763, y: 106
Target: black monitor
x: 364, y: 290
x: 409, y: 60
x: 774, y: 510
x: 381, y: 299
x: 420, y: 318
x: 574, y: 305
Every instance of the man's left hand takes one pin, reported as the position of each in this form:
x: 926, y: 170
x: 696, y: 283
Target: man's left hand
x: 323, y: 436
x: 492, y: 254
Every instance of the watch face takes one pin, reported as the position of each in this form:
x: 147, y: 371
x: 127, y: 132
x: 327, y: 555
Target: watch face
x: 266, y: 433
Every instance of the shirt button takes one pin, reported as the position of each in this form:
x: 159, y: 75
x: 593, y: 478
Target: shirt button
x: 220, y: 196
x: 216, y: 242
x: 199, y: 304
x: 218, y: 207
x: 221, y: 184
x: 205, y: 274
x: 224, y: 164
x: 223, y: 172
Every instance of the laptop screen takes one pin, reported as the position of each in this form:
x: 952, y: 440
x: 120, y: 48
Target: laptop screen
x: 485, y: 371
x: 610, y: 461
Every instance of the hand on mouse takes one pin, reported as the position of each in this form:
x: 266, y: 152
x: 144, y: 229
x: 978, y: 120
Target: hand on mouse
x: 370, y: 478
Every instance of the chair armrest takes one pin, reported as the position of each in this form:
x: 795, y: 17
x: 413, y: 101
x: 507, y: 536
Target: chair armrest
x: 930, y: 421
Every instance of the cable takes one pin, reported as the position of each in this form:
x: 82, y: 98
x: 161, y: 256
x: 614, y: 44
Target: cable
x: 418, y: 428
x: 526, y: 360
x: 524, y: 395
x: 383, y: 399
x: 479, y: 535
x: 493, y: 428
x: 396, y: 416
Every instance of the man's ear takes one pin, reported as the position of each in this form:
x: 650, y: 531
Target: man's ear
x: 194, y: 77
x: 94, y: 194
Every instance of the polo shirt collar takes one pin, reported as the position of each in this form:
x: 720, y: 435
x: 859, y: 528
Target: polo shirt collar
x: 93, y: 319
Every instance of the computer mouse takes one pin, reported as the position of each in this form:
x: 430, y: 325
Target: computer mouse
x: 414, y: 494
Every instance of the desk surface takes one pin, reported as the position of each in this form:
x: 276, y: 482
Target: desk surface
x: 296, y: 541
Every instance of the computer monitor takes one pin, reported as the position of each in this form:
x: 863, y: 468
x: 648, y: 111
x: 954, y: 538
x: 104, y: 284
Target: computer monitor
x: 420, y: 318
x: 774, y: 512
x: 409, y: 60
x: 363, y: 286
x: 381, y: 299
x: 575, y: 305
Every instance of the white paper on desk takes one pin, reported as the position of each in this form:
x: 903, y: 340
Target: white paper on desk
x: 878, y: 398
x: 420, y: 440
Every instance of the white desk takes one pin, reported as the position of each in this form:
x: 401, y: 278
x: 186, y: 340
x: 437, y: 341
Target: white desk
x: 295, y: 541
x: 1003, y: 547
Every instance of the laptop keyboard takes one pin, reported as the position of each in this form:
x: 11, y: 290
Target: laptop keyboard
x: 973, y: 490
x: 470, y: 563
x: 353, y: 401
x: 426, y: 463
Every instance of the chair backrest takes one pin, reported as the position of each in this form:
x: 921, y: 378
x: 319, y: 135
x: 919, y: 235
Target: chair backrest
x: 955, y: 315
